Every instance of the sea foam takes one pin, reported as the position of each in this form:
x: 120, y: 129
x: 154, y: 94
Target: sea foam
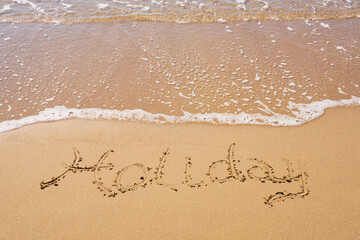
x: 302, y: 113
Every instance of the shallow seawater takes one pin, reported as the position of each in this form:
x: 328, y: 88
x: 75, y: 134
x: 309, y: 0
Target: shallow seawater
x: 238, y: 72
x: 175, y: 10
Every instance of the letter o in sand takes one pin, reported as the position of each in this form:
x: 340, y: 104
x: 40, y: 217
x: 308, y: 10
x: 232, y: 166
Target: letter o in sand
x: 131, y: 187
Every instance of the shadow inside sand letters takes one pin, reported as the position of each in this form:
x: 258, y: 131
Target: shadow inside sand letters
x: 149, y: 176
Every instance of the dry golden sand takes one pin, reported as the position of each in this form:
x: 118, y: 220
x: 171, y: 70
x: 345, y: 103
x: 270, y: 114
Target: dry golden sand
x: 327, y: 149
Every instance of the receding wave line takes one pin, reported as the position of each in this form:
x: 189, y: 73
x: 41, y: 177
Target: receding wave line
x: 194, y: 17
x: 301, y: 113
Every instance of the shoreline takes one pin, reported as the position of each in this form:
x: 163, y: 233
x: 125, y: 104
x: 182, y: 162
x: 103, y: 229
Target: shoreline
x: 194, y: 18
x: 139, y: 115
x: 220, y: 68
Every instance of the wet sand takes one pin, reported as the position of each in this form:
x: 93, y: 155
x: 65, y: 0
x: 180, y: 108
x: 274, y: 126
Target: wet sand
x: 324, y: 152
x: 230, y: 68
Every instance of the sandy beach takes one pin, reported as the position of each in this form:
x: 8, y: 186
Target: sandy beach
x: 195, y: 119
x: 182, y: 200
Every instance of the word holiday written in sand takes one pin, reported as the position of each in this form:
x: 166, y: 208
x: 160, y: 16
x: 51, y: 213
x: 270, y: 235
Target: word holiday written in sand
x: 260, y: 171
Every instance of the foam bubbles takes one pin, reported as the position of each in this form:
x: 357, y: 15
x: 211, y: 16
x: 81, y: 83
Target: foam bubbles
x: 185, y: 11
x: 33, y: 5
x: 5, y: 8
x: 341, y: 48
x: 325, y: 25
x: 102, y: 5
x: 302, y: 112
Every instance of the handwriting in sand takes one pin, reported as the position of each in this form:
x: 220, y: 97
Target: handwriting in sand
x: 149, y: 176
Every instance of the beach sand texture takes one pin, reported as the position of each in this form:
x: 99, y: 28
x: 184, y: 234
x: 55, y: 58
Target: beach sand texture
x: 207, y: 119
x: 175, y: 205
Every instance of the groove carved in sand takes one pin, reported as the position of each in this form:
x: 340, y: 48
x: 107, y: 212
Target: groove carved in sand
x: 260, y: 171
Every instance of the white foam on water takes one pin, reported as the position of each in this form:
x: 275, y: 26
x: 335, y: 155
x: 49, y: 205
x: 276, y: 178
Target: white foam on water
x: 157, y: 2
x: 66, y: 5
x: 186, y: 11
x: 307, y: 22
x: 341, y: 91
x: 310, y: 111
x: 266, y: 4
x: 340, y: 48
x: 182, y: 95
x: 50, y: 99
x: 33, y: 5
x: 302, y: 112
x: 102, y: 5
x: 5, y: 8
x: 241, y: 4
x: 325, y: 25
